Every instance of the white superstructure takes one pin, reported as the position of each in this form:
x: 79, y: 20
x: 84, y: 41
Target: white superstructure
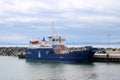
x: 56, y: 40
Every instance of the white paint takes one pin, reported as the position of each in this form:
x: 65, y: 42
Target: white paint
x: 39, y: 54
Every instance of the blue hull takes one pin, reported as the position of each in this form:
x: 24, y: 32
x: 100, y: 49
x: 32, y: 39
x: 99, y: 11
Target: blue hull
x: 75, y: 56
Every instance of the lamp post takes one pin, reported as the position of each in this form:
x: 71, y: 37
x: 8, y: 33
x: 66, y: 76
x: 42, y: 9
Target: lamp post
x: 108, y: 40
x: 107, y: 54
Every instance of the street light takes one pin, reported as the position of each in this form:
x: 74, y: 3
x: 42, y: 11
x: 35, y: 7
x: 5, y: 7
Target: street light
x: 108, y: 40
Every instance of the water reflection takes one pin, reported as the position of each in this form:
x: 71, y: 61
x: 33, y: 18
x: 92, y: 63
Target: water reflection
x: 62, y: 71
x: 12, y: 68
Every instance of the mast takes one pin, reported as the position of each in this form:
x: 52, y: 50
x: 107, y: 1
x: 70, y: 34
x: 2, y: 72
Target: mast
x: 55, y: 39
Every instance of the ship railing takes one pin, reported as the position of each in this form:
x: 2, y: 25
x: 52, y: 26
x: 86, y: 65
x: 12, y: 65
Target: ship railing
x: 71, y: 49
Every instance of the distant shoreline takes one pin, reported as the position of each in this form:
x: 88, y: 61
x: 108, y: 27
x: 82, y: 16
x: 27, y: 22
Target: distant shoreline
x: 98, y: 46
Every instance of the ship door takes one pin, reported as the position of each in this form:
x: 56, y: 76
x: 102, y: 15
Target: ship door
x: 39, y: 54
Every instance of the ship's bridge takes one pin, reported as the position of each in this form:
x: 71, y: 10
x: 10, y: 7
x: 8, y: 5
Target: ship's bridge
x: 56, y: 40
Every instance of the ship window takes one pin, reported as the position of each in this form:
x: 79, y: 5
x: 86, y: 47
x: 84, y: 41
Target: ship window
x: 53, y: 40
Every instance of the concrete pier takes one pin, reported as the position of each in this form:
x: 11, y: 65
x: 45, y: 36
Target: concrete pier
x: 107, y: 55
x: 106, y: 58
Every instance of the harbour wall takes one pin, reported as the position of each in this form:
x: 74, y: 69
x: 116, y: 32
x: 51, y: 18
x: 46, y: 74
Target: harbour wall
x: 11, y: 51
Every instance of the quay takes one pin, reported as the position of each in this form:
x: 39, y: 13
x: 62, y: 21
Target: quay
x: 107, y: 55
x: 106, y: 58
x: 102, y: 55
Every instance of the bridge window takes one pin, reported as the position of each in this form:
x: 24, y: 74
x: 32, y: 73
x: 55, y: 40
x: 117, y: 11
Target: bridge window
x: 53, y: 40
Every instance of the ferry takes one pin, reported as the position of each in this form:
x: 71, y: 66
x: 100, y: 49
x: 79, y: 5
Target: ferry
x: 54, y: 50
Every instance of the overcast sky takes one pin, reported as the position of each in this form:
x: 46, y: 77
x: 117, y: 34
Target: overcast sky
x: 77, y: 20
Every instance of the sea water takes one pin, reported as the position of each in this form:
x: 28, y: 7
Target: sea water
x: 12, y: 68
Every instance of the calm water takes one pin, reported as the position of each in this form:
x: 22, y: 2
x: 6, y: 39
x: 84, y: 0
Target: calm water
x: 12, y: 68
